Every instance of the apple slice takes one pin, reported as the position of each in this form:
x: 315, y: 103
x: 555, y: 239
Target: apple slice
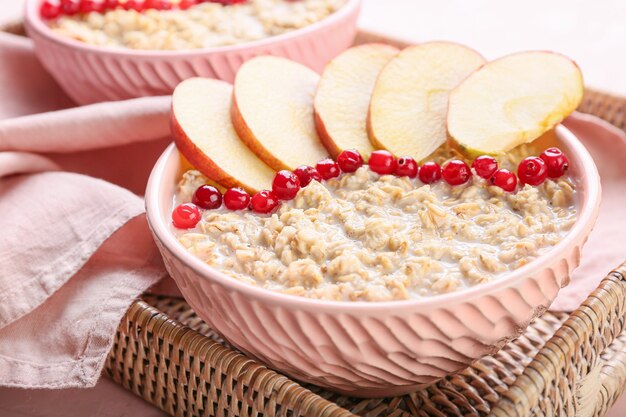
x: 513, y: 100
x: 204, y: 134
x: 272, y: 112
x: 407, y: 113
x: 343, y: 97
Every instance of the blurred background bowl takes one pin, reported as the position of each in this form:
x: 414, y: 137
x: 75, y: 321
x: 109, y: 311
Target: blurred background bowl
x: 90, y: 74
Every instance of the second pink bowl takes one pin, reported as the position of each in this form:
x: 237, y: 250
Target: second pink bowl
x: 90, y: 74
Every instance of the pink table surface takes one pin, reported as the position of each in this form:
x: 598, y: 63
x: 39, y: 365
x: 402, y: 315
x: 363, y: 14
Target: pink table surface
x: 591, y: 32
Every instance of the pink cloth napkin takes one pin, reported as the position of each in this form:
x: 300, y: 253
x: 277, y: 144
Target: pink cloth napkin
x: 75, y: 249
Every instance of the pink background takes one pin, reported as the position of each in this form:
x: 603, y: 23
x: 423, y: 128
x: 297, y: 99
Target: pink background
x: 592, y: 33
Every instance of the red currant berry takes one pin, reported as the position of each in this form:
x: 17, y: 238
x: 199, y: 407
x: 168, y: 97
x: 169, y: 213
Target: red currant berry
x: 236, y: 199
x: 186, y: 4
x: 406, y: 167
x: 504, y: 179
x: 327, y: 168
x: 456, y: 172
x: 264, y: 202
x: 382, y: 162
x: 306, y: 174
x: 186, y: 216
x: 350, y: 160
x: 485, y: 166
x: 286, y: 185
x: 207, y: 197
x: 49, y: 10
x: 110, y: 4
x: 135, y: 5
x: 88, y: 6
x: 69, y: 7
x: 532, y: 170
x: 556, y: 161
x: 430, y: 172
x: 158, y: 4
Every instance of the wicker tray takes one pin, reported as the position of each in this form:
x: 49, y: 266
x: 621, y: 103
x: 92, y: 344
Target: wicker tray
x: 564, y: 365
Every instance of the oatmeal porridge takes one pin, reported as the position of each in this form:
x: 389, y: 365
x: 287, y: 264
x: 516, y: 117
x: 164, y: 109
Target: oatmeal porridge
x: 207, y: 24
x: 367, y: 237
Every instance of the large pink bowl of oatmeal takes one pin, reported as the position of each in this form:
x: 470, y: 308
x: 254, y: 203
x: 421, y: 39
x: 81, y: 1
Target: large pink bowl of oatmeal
x: 344, y: 337
x: 131, y: 57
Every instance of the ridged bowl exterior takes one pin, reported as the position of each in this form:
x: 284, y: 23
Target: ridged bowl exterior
x: 380, y: 354
x: 91, y: 74
x: 373, y: 349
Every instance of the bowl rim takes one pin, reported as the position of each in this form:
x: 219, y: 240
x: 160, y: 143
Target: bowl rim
x: 588, y: 211
x: 34, y: 22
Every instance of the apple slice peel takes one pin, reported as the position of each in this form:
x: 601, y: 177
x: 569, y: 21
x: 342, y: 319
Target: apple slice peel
x: 272, y: 112
x: 407, y: 113
x: 343, y: 97
x: 204, y: 134
x: 513, y: 100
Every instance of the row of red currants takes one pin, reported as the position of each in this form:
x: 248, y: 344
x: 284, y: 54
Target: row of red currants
x: 531, y: 170
x: 51, y: 9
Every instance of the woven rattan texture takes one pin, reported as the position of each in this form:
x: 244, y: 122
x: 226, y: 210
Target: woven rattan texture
x: 471, y: 393
x: 607, y: 107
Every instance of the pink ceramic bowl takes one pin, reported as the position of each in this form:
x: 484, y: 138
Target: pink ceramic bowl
x: 90, y: 74
x: 373, y: 349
